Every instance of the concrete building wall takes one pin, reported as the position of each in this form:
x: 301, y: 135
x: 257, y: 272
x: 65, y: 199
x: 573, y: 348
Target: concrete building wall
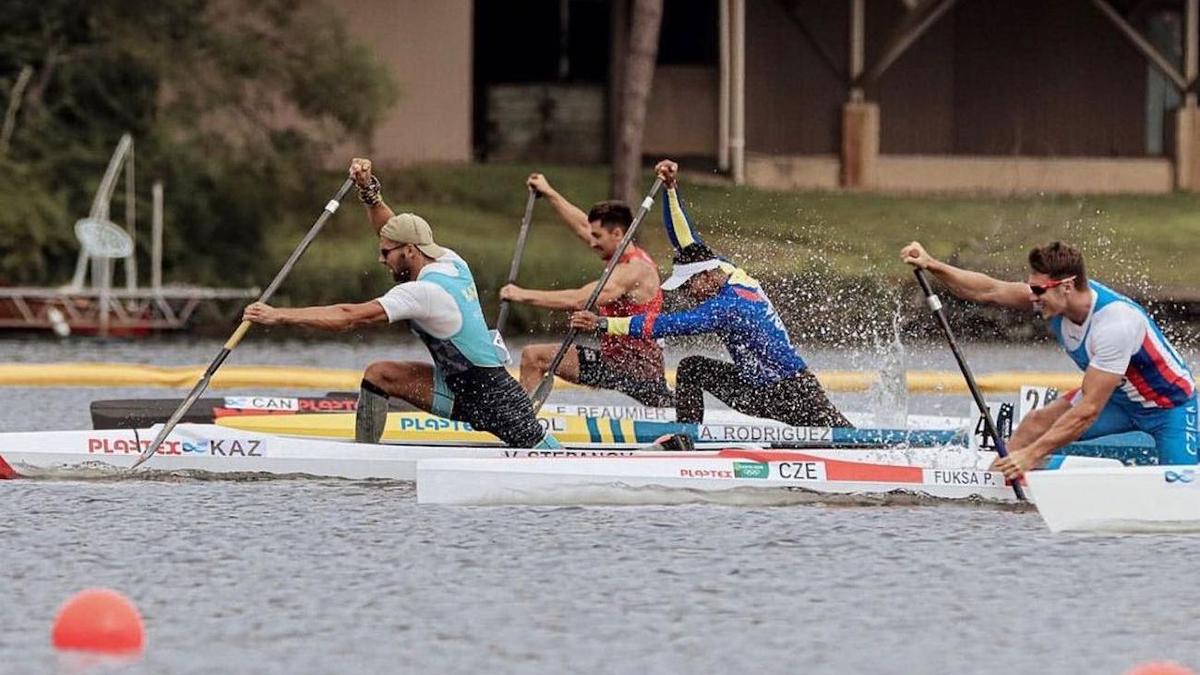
x: 427, y: 46
x: 916, y: 94
x: 970, y: 174
x: 793, y: 100
x: 1045, y: 79
x: 1020, y: 81
x: 681, y: 119
x: 546, y: 123
x: 1028, y: 77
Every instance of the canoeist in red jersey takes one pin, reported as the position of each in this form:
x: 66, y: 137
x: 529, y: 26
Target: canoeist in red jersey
x: 630, y: 365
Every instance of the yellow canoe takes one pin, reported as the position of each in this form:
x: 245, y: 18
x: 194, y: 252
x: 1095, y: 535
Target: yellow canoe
x: 425, y: 429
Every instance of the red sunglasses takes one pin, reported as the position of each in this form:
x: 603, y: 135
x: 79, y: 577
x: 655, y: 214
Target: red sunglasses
x: 1040, y: 289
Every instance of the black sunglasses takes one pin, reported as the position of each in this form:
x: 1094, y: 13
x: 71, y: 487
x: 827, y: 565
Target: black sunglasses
x: 385, y: 252
x: 1040, y: 289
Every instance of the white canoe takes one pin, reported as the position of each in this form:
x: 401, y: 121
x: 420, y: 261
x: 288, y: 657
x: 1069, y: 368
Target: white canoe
x: 213, y: 449
x: 220, y: 450
x: 729, y: 476
x: 1119, y: 499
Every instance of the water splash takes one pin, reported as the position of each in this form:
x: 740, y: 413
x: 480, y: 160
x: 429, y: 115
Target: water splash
x: 889, y: 395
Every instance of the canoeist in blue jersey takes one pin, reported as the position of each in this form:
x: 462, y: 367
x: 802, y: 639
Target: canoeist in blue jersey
x: 436, y: 294
x: 1133, y: 378
x: 767, y: 378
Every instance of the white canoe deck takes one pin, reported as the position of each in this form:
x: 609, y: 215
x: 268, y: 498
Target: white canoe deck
x: 729, y: 476
x: 1119, y: 499
x: 1085, y: 495
x: 218, y: 450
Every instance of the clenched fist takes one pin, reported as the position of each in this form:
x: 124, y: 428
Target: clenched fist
x: 668, y: 171
x: 914, y: 254
x: 538, y: 183
x: 360, y: 171
x: 261, y: 313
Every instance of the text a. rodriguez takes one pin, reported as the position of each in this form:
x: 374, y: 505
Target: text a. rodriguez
x: 744, y: 433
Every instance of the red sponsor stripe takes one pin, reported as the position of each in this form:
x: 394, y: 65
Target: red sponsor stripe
x: 648, y: 325
x: 837, y: 469
x: 747, y: 294
x: 6, y: 471
x: 1164, y: 369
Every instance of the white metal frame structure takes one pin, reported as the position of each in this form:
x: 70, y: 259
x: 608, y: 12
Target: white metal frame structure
x: 98, y: 306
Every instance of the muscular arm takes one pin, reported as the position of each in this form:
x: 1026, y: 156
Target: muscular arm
x: 1098, y: 387
x: 332, y: 317
x: 570, y: 214
x: 360, y: 172
x: 624, y: 280
x: 969, y: 285
x: 379, y: 214
x: 979, y: 287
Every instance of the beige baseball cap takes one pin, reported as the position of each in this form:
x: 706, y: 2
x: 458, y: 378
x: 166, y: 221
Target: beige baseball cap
x: 409, y: 228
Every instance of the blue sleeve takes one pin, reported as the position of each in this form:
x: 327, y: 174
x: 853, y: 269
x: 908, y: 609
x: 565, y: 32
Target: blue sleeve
x: 707, y: 317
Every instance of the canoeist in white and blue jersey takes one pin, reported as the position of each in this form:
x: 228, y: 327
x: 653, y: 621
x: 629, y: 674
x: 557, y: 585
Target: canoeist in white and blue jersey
x: 767, y: 377
x: 1133, y: 379
x: 436, y: 294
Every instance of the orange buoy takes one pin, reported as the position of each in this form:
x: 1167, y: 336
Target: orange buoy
x: 98, y: 620
x: 1160, y: 668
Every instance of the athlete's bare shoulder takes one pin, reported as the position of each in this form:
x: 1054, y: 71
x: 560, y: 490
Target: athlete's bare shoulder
x: 641, y: 277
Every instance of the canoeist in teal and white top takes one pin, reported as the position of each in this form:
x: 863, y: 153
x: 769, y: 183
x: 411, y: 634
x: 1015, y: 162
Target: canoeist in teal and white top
x: 436, y: 294
x: 1133, y: 379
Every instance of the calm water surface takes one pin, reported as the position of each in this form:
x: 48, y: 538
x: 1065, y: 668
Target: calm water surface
x: 311, y: 576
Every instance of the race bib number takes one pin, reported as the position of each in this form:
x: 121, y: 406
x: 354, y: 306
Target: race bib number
x: 1033, y: 398
x: 501, y: 348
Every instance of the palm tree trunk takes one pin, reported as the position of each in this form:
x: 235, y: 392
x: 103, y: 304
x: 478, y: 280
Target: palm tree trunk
x: 635, y: 94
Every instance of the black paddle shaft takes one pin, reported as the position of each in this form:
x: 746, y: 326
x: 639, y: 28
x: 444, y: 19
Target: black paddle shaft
x: 201, y: 385
x: 543, y: 390
x: 518, y: 252
x: 935, y: 306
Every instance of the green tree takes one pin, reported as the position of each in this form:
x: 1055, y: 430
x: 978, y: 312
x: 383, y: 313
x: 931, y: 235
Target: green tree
x: 232, y: 104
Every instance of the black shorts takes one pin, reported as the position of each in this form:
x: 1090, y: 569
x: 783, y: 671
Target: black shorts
x: 596, y: 371
x: 490, y: 400
x: 799, y: 400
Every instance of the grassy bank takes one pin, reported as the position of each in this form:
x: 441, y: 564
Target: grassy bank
x: 830, y: 259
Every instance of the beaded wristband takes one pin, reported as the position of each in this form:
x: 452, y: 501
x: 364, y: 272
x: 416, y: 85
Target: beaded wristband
x: 369, y: 194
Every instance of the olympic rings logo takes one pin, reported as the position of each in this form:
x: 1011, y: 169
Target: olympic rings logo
x: 1185, y: 476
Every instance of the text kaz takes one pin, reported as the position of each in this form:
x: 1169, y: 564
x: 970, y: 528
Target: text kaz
x: 223, y: 447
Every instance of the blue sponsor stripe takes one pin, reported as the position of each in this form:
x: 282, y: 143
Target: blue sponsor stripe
x: 615, y: 427
x: 647, y: 431
x: 593, y: 430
